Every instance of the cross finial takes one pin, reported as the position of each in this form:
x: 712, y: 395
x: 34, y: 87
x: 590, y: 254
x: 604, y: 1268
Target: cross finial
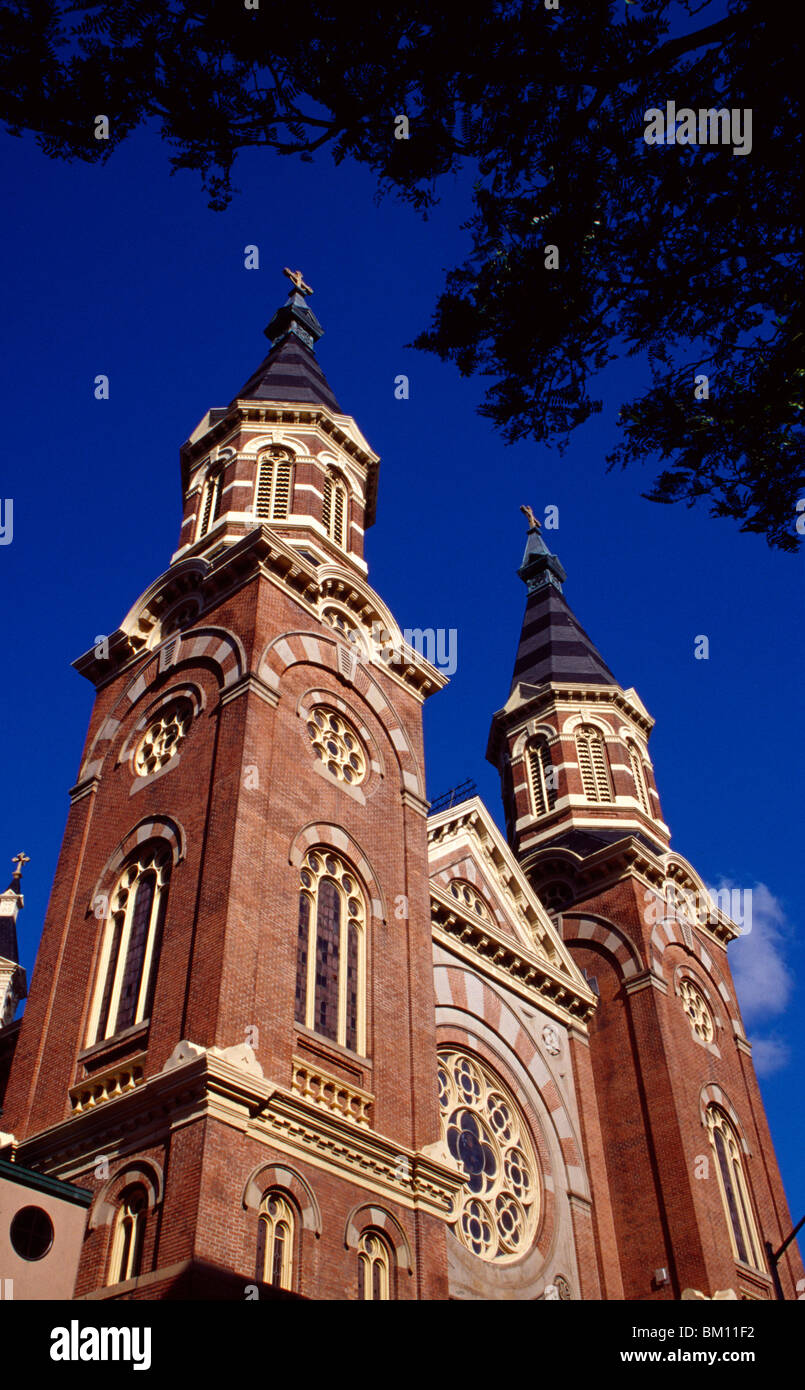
x: 19, y: 860
x: 533, y: 524
x: 295, y: 277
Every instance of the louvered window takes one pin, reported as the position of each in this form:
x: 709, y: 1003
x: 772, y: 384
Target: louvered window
x: 593, y: 764
x: 639, y: 777
x: 210, y: 505
x: 334, y: 511
x: 274, y: 486
x: 541, y: 777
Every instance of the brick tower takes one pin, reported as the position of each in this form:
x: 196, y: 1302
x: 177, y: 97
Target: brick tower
x: 687, y: 1171
x: 230, y: 1028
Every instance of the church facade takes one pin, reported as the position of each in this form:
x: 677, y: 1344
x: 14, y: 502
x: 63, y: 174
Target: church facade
x: 290, y: 1035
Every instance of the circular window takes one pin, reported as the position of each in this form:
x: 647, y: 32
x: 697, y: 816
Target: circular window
x: 699, y: 1016
x: 465, y: 893
x: 336, y: 743
x: 163, y: 737
x: 31, y: 1233
x: 487, y: 1136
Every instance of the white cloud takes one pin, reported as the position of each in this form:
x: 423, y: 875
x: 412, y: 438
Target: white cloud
x: 763, y: 981
x: 769, y: 1055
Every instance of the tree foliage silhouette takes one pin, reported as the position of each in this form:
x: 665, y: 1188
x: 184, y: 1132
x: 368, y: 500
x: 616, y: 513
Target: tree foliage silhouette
x: 689, y: 255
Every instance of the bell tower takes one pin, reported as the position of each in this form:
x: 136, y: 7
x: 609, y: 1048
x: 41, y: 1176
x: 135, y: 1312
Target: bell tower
x: 230, y: 1034
x: 687, y: 1168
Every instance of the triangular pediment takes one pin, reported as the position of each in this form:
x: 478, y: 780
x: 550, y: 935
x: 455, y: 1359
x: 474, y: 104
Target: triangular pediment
x: 480, y: 895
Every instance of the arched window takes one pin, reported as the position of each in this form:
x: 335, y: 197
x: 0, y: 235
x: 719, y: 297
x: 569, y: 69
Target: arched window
x: 734, y: 1189
x: 335, y: 510
x: 273, y: 496
x: 374, y: 1267
x: 541, y: 777
x: 210, y: 502
x: 331, y: 953
x: 129, y: 1234
x: 593, y: 764
x: 131, y: 942
x: 639, y: 775
x: 275, y: 1241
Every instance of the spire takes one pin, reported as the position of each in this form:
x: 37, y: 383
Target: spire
x: 10, y: 904
x: 290, y: 372
x: 553, y: 644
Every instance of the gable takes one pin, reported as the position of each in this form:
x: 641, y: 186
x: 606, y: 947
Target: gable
x: 480, y: 894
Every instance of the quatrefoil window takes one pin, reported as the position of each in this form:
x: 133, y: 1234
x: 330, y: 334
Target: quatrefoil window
x: 699, y: 1016
x: 337, y: 744
x: 488, y: 1139
x: 163, y: 736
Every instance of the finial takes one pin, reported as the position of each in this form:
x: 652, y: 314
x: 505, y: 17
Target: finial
x: 295, y: 277
x: 533, y: 524
x: 19, y: 860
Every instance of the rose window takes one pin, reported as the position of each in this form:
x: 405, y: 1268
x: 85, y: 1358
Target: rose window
x: 163, y: 737
x: 487, y: 1137
x: 337, y: 744
x: 699, y: 1015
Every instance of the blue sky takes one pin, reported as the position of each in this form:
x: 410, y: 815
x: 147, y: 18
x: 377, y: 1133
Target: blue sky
x: 123, y: 270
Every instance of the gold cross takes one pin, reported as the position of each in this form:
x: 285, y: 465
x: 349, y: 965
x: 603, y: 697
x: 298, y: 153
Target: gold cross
x: 295, y: 277
x: 533, y: 524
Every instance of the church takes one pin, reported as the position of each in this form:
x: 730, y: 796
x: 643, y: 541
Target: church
x: 294, y: 1034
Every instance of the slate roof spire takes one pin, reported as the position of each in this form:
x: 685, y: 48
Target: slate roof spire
x: 553, y: 644
x: 291, y: 372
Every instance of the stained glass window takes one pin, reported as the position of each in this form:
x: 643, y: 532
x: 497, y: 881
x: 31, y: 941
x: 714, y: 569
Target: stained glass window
x: 488, y: 1138
x: 337, y: 744
x: 162, y: 738
x: 129, y: 1235
x: 331, y: 946
x: 699, y: 1016
x: 374, y: 1267
x: 130, y: 945
x: 275, y: 1241
x: 734, y: 1189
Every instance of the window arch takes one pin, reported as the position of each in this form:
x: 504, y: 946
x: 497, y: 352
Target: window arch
x: 274, y: 476
x: 374, y: 1267
x: 541, y: 777
x: 210, y: 501
x: 639, y: 775
x: 331, y: 950
x: 131, y: 943
x: 276, y: 1234
x: 335, y: 509
x: 734, y: 1188
x: 129, y: 1235
x: 593, y: 763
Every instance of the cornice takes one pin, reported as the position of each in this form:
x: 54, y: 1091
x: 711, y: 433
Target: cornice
x: 607, y: 866
x: 526, y: 701
x: 208, y: 1084
x: 492, y: 953
x: 260, y: 552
